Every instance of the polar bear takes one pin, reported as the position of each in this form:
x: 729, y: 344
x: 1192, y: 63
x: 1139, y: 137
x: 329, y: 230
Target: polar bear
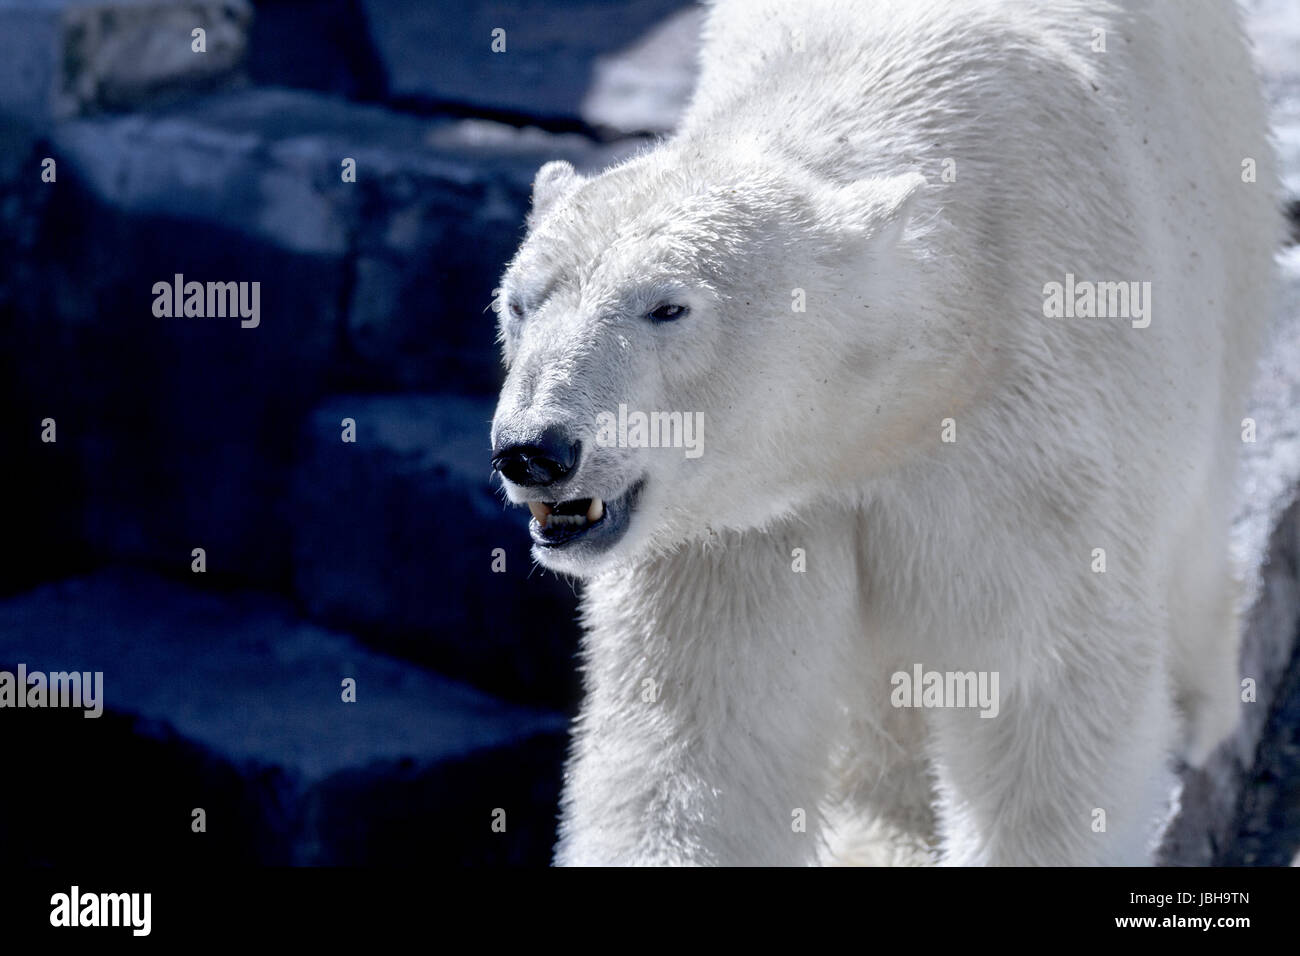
x: 965, y: 298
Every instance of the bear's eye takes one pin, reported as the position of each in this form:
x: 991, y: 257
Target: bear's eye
x: 666, y: 312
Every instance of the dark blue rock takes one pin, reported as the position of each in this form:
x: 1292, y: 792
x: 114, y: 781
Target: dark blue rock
x: 61, y: 58
x: 176, y: 433
x: 396, y: 537
x: 551, y: 49
x: 228, y: 702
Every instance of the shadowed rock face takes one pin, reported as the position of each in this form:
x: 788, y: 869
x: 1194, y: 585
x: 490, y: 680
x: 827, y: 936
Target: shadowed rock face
x: 617, y: 69
x: 1241, y: 809
x: 63, y: 58
x: 376, y: 285
x: 231, y: 703
x: 402, y: 538
x: 547, y: 66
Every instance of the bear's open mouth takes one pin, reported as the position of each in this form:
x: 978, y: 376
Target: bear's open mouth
x: 557, y: 523
x: 555, y: 518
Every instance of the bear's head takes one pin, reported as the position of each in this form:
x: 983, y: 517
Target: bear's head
x: 696, y: 344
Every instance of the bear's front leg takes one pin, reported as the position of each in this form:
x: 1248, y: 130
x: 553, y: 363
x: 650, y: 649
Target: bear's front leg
x: 714, y: 693
x: 1073, y: 770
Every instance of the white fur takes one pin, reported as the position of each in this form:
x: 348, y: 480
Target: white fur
x: 821, y: 170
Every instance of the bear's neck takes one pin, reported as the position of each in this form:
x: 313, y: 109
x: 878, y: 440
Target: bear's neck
x: 751, y: 605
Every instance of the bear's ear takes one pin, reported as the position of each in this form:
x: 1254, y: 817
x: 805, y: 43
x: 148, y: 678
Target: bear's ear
x: 876, y: 209
x: 553, y: 181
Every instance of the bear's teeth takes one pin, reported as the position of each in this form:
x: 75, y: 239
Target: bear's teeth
x: 540, y: 512
x: 547, y: 517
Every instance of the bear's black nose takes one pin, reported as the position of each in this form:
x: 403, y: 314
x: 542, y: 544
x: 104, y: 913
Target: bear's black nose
x: 544, y: 460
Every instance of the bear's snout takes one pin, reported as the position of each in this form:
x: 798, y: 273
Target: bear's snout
x: 543, y: 459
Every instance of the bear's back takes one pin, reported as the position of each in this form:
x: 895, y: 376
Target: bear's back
x: 1082, y: 138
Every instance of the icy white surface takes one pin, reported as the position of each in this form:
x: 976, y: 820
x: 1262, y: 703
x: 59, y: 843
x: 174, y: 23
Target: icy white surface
x: 1274, y: 27
x: 1272, y: 464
